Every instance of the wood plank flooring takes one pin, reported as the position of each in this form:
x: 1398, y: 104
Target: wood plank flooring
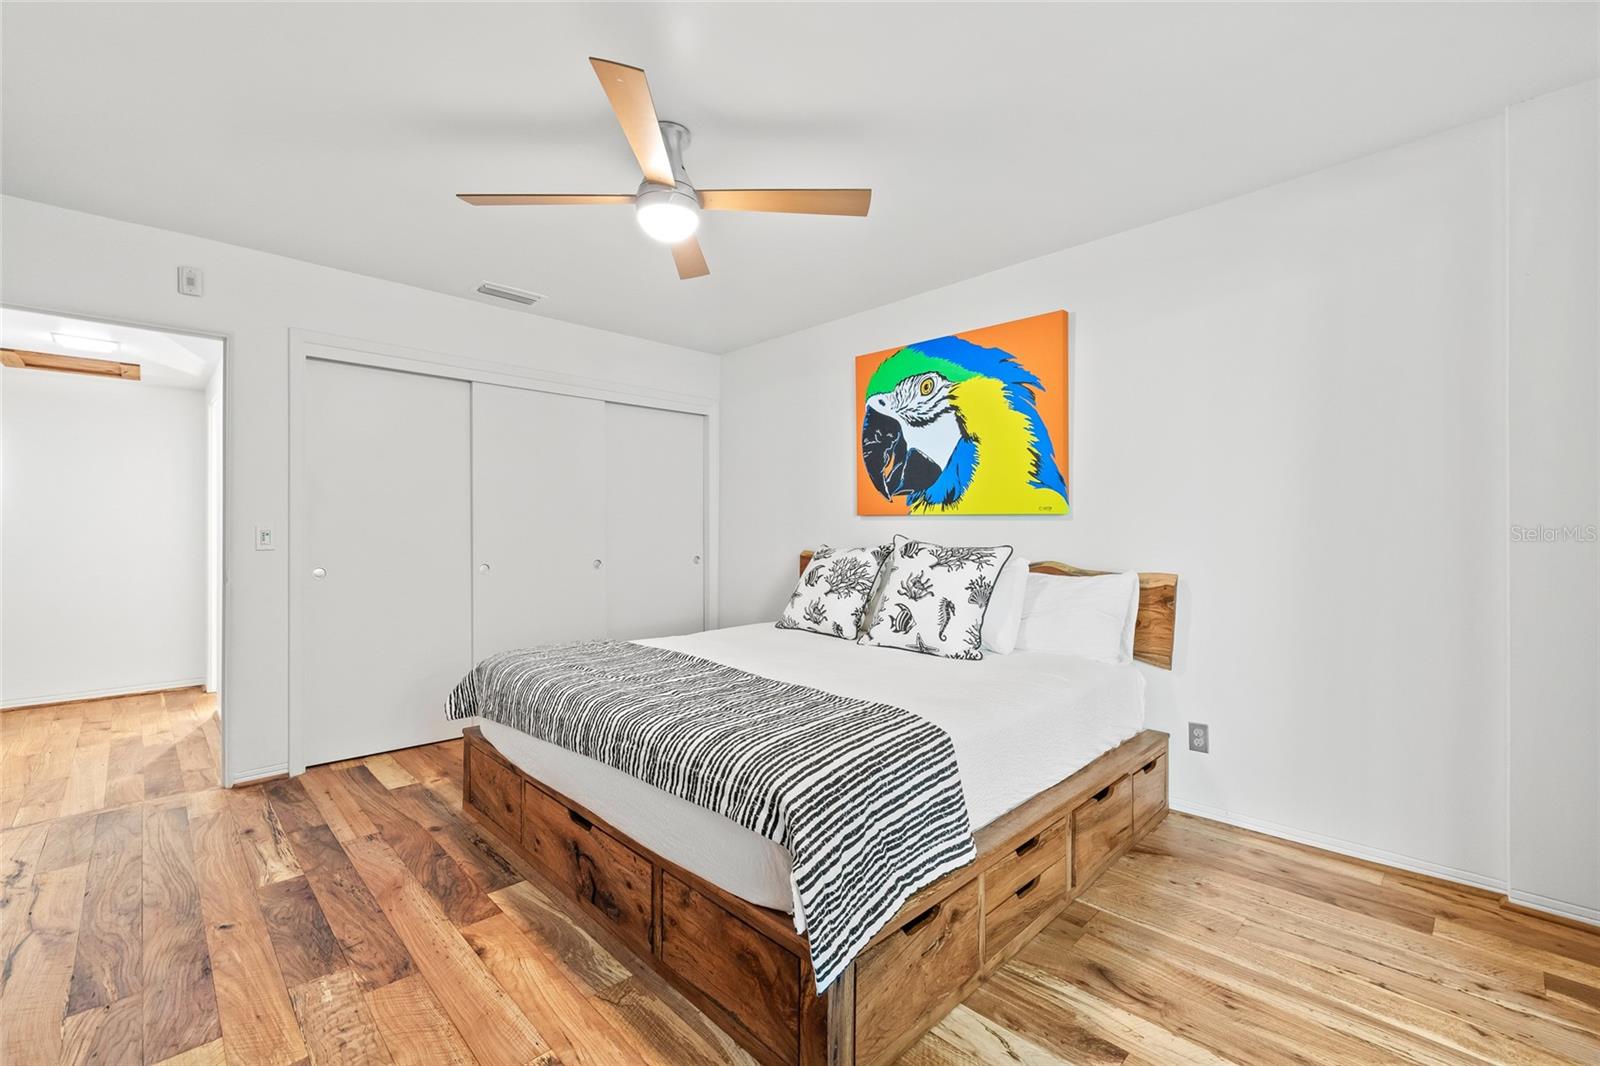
x: 354, y: 915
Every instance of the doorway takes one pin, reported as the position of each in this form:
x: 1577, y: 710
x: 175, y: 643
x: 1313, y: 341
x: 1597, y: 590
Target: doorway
x: 112, y: 559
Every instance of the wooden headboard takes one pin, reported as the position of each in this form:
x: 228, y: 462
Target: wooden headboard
x: 1158, y: 608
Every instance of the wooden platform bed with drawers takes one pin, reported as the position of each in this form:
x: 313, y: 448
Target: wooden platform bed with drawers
x: 748, y: 969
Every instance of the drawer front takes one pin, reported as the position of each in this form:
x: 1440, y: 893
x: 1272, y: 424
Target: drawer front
x: 1008, y: 916
x: 496, y: 789
x: 1149, y: 791
x: 1024, y: 862
x: 915, y: 975
x: 753, y: 980
x: 1101, y: 827
x: 545, y: 835
x: 607, y: 877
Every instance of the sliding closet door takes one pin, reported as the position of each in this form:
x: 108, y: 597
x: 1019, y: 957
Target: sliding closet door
x: 655, y: 522
x: 538, y: 518
x: 386, y: 623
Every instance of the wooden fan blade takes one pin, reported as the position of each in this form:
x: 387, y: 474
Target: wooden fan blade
x: 690, y: 259
x: 504, y: 199
x: 792, y: 201
x: 629, y: 94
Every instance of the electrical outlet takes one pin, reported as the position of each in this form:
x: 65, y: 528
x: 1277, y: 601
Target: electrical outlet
x: 1199, y: 737
x: 264, y: 541
x: 191, y: 282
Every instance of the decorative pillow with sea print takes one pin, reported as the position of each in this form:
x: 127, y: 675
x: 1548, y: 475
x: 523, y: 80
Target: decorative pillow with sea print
x: 832, y: 594
x: 934, y: 598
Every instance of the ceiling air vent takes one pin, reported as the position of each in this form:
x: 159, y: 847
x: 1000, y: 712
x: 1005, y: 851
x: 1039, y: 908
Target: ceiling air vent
x: 506, y: 292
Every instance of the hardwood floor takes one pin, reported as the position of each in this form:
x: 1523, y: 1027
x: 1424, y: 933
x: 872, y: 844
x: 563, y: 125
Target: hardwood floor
x: 354, y: 915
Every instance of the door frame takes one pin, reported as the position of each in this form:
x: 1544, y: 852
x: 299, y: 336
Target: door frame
x: 225, y: 776
x: 309, y: 344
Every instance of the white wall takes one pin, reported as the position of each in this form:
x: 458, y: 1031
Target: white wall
x: 67, y: 261
x: 1555, y: 490
x: 1294, y: 399
x: 104, y: 537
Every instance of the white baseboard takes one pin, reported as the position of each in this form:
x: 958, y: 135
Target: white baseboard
x: 104, y: 693
x: 1558, y: 907
x: 244, y: 777
x: 1342, y: 847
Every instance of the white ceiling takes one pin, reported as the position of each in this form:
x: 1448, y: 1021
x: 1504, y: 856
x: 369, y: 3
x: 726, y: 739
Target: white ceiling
x: 172, y: 360
x: 990, y: 134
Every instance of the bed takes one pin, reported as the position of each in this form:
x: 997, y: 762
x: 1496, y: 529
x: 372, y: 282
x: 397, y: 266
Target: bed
x: 1057, y: 774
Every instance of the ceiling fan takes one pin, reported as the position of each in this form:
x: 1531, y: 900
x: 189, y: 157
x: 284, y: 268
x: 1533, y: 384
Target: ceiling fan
x: 668, y: 207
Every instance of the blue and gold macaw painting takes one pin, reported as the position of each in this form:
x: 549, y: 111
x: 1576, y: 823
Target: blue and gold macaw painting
x: 973, y: 423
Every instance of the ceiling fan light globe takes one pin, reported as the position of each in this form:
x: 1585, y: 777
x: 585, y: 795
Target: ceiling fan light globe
x: 668, y: 222
x: 668, y: 215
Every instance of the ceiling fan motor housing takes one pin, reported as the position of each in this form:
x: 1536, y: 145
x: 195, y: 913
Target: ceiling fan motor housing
x: 669, y: 213
x: 681, y: 194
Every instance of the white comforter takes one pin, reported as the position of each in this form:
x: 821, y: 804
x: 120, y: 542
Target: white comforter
x: 1020, y: 723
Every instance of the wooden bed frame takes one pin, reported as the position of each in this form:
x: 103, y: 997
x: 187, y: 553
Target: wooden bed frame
x: 748, y: 969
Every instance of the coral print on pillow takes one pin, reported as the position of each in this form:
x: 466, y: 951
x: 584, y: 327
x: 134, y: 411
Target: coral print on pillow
x: 934, y: 598
x: 831, y: 597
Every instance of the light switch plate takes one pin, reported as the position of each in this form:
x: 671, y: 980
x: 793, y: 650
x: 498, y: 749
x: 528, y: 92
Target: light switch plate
x: 264, y: 541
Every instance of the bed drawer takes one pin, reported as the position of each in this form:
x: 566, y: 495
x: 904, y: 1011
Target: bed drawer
x: 1101, y: 828
x: 608, y: 878
x: 915, y: 974
x: 1009, y: 914
x: 1024, y: 862
x: 496, y: 789
x: 1149, y: 792
x: 753, y: 980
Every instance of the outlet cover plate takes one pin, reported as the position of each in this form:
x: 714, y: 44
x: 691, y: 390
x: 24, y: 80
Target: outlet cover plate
x: 1199, y: 737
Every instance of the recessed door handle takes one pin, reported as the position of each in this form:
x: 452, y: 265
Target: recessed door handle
x: 319, y: 572
x: 697, y: 560
x: 483, y: 568
x: 597, y: 564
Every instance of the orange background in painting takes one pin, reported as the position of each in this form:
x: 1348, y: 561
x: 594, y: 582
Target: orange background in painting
x: 1038, y: 343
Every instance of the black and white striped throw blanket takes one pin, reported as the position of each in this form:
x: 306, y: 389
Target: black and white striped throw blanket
x: 864, y: 796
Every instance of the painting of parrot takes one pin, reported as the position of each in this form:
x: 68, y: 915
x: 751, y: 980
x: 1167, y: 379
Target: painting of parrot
x: 971, y: 423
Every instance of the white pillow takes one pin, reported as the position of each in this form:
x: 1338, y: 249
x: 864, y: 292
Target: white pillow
x: 1005, y: 608
x: 936, y: 598
x: 1089, y: 616
x: 832, y: 594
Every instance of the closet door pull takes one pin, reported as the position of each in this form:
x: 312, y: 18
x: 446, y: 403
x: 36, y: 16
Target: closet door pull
x: 319, y: 572
x: 597, y: 564
x: 483, y: 568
